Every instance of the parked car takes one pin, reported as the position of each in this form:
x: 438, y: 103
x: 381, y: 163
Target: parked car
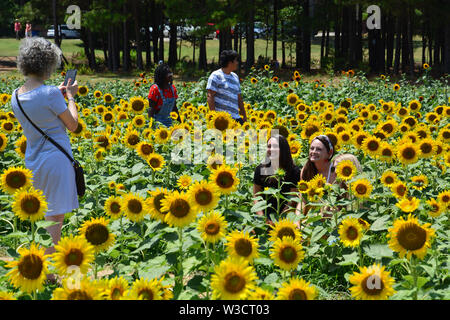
x: 64, y: 31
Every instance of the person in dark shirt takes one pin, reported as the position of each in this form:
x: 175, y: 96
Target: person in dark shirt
x: 278, y: 157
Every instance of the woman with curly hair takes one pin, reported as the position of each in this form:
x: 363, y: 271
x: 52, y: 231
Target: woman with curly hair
x: 163, y: 96
x: 46, y: 107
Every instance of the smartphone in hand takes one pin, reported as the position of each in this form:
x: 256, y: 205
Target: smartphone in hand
x: 70, y: 74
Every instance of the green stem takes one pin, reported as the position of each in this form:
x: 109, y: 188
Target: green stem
x: 207, y: 267
x: 179, y: 279
x: 33, y: 227
x: 413, y: 263
x: 95, y: 267
x: 361, y: 258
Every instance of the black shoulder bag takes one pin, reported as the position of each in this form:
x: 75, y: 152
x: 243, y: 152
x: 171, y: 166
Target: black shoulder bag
x: 79, y: 173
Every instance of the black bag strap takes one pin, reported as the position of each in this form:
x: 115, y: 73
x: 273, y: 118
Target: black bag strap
x: 43, y: 133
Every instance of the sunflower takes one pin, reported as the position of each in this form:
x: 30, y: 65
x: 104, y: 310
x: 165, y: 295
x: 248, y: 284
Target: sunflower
x: 359, y: 138
x: 144, y: 149
x: 425, y: 66
x: 427, y: 148
x: 29, y: 271
x: 134, y: 207
x: 292, y: 99
x: 408, y: 237
x: 233, y: 279
x: 225, y: 179
x: 144, y: 289
x: 108, y: 98
x: 372, y: 283
x: 7, y: 126
x: 73, y: 251
x: 184, y: 181
x: 444, y: 198
x: 284, y: 228
x: 4, y: 143
x: 221, y: 121
x: 318, y: 181
x: 108, y: 117
x: 287, y: 253
x: 180, y: 209
x: 396, y: 87
x: 117, y: 289
x: 16, y: 178
x: 371, y: 146
x: 131, y: 139
x: 102, y: 140
x: 350, y: 232
x: 212, y: 226
x: 386, y: 153
x: 435, y: 208
x: 138, y: 105
x: 162, y: 135
x: 84, y: 290
x: 155, y: 161
x: 98, y: 94
x: 242, y: 244
x: 296, y: 149
x: 139, y: 121
x: 388, y: 178
x: 309, y: 128
x: 345, y: 170
x: 261, y: 294
x: 83, y: 91
x: 408, y: 153
x: 113, y: 207
x: 362, y: 188
x: 97, y: 233
x: 420, y: 182
x: 297, y: 289
x: 303, y: 186
x: 414, y: 105
x: 408, y: 204
x: 254, y: 80
x: 205, y: 195
x: 399, y: 189
x: 154, y: 203
x: 29, y: 204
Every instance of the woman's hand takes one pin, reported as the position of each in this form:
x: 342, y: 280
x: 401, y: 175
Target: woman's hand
x: 70, y: 89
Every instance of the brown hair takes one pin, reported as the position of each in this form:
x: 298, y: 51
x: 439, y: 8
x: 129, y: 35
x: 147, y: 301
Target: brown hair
x: 310, y: 170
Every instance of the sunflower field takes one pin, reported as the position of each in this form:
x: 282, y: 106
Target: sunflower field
x: 151, y: 227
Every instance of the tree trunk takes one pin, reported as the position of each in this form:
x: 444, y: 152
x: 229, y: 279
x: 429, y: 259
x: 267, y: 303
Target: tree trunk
x: 55, y: 23
x: 250, y: 38
x: 410, y: 41
x: 126, y: 46
x: 161, y: 43
x: 155, y: 30
x: 283, y: 47
x: 148, y: 56
x: 139, y: 60
x: 397, y: 45
x: 172, y: 45
x: 275, y: 30
x: 390, y: 42
x: 202, y: 62
x: 91, y: 57
x: 446, y: 52
x: 306, y: 45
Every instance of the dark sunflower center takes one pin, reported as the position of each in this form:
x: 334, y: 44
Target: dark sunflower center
x: 288, y: 254
x: 108, y: 117
x: 409, y: 153
x: 16, y: 179
x: 311, y: 130
x: 352, y: 233
x: 116, y: 293
x: 243, y: 247
x: 135, y: 206
x: 133, y: 139
x: 360, y: 139
x: 203, y: 197
x: 8, y: 126
x: 137, y: 105
x: 74, y: 257
x: 297, y: 294
x: 157, y: 202
x: 155, y: 163
x: 163, y: 135
x: 373, y: 145
x: 79, y: 128
x: 212, y: 228
x: 23, y: 147
x: 426, y: 148
x: 146, y: 294
x: 79, y: 295
x: 115, y: 207
x: 180, y: 208
x: 347, y: 171
x: 234, y: 282
x: 411, y: 236
x: 372, y: 285
x: 82, y: 90
x: 31, y: 266
x: 286, y: 232
x: 401, y: 190
x: 103, y: 141
x: 225, y: 180
x: 97, y: 234
x: 30, y: 204
x: 387, y: 152
x: 221, y: 123
x: 389, y: 180
x: 361, y: 189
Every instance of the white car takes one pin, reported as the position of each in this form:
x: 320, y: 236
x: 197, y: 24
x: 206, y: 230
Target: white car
x: 64, y: 31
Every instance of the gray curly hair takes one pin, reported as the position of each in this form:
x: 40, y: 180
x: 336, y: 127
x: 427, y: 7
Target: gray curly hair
x: 38, y: 56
